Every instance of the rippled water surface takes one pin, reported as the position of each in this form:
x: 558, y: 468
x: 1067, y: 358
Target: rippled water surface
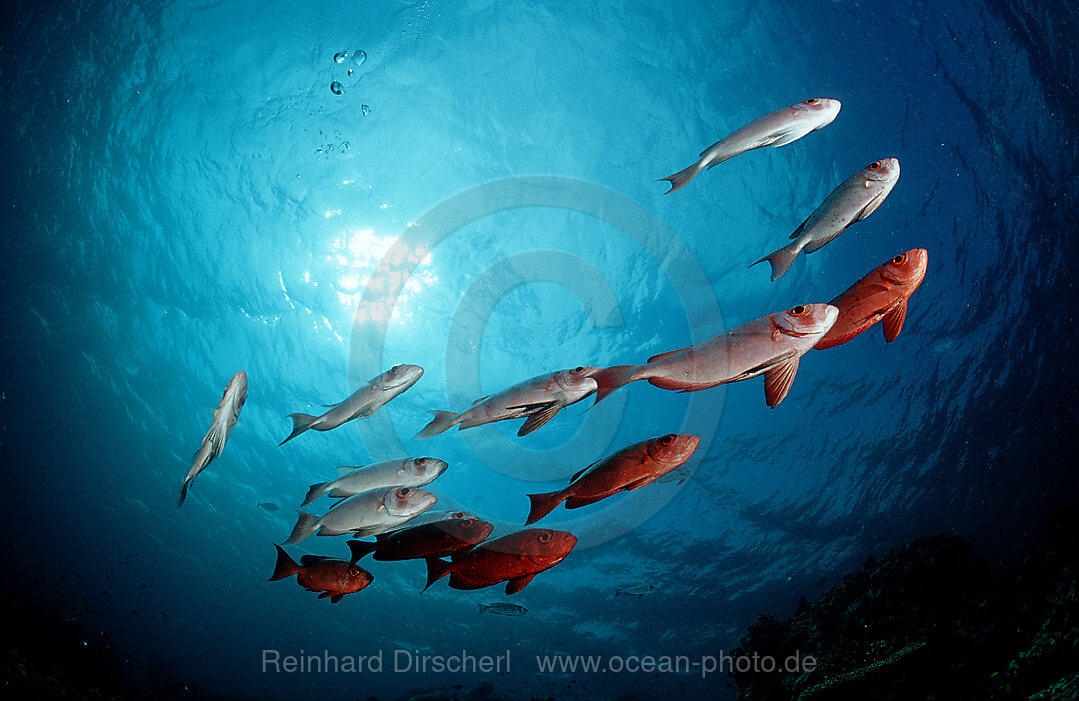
x: 315, y: 194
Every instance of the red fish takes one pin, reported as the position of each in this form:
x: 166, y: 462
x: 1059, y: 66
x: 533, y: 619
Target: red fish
x: 435, y: 539
x: 630, y: 468
x: 771, y: 346
x: 881, y: 295
x: 515, y: 559
x: 333, y: 577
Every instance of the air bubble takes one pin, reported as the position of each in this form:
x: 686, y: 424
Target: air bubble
x: 359, y: 56
x: 340, y: 56
x: 335, y: 88
x: 365, y: 110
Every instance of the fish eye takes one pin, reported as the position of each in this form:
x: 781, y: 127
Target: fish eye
x: 466, y: 523
x: 458, y: 514
x: 875, y: 165
x: 578, y: 369
x: 812, y: 101
x: 667, y: 440
x: 404, y: 492
x: 544, y: 537
x: 421, y: 461
x: 395, y: 369
x: 900, y: 259
x: 800, y: 310
x: 353, y: 571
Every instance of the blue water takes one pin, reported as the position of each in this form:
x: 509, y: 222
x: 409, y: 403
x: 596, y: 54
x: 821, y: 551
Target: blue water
x: 186, y: 197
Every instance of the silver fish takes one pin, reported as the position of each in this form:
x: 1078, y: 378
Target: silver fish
x: 360, y: 404
x: 855, y: 199
x: 225, y: 416
x: 773, y: 129
x: 637, y: 590
x: 503, y: 609
x: 366, y: 514
x: 401, y: 472
x: 538, y: 399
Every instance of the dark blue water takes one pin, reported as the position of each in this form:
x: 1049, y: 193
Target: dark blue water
x: 185, y: 197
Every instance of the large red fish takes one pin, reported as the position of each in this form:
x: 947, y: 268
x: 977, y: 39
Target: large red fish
x: 630, y: 468
x: 515, y: 559
x: 769, y: 346
x: 435, y: 539
x: 879, y: 296
x: 333, y: 577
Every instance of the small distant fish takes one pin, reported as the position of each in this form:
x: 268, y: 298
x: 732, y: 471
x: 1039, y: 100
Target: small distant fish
x: 366, y: 514
x: 515, y: 559
x: 225, y: 417
x: 334, y: 578
x: 677, y: 475
x: 268, y: 505
x: 360, y: 404
x: 773, y: 129
x: 630, y: 468
x: 881, y: 295
x: 538, y: 399
x: 436, y: 539
x: 637, y: 590
x: 400, y: 472
x: 855, y: 199
x: 771, y: 346
x: 503, y: 609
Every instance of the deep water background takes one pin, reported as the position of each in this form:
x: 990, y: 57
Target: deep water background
x: 185, y: 197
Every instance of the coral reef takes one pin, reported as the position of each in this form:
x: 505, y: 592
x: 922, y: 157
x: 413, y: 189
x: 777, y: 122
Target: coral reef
x: 928, y: 621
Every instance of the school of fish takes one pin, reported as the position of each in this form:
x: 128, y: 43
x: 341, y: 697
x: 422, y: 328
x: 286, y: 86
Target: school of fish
x: 388, y: 515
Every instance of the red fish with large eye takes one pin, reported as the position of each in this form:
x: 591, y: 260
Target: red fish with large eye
x: 630, y: 468
x: 879, y: 296
x: 435, y: 539
x: 333, y: 577
x: 515, y: 559
x: 771, y: 346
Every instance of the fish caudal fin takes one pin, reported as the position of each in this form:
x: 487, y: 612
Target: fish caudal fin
x: 778, y: 381
x: 610, y: 379
x: 305, y: 526
x: 436, y: 570
x: 300, y: 423
x: 781, y: 260
x: 359, y: 548
x: 543, y: 504
x: 285, y: 567
x: 443, y: 420
x: 679, y: 179
x: 314, y: 492
x: 183, y: 491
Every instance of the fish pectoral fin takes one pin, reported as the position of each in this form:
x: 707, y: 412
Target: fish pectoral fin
x: 778, y: 381
x: 335, y: 598
x: 782, y: 137
x: 893, y: 321
x: 364, y: 532
x: 481, y: 399
x: 518, y: 583
x: 325, y: 595
x: 870, y: 207
x: 640, y: 483
x: 331, y: 406
x: 539, y: 418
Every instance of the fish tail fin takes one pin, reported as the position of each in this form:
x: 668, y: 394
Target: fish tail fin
x: 543, y: 504
x: 610, y: 379
x: 436, y: 570
x: 443, y: 420
x: 483, y: 607
x: 300, y: 423
x: 285, y: 567
x: 781, y: 260
x: 306, y: 524
x: 183, y: 491
x: 359, y: 548
x: 679, y: 179
x: 314, y: 492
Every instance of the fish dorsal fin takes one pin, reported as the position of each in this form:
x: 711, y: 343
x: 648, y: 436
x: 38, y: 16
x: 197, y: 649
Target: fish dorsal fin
x: 518, y: 583
x: 574, y: 478
x: 481, y: 399
x: 661, y: 356
x: 893, y: 321
x: 778, y: 381
x: 312, y: 559
x: 539, y: 418
x: 801, y: 228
